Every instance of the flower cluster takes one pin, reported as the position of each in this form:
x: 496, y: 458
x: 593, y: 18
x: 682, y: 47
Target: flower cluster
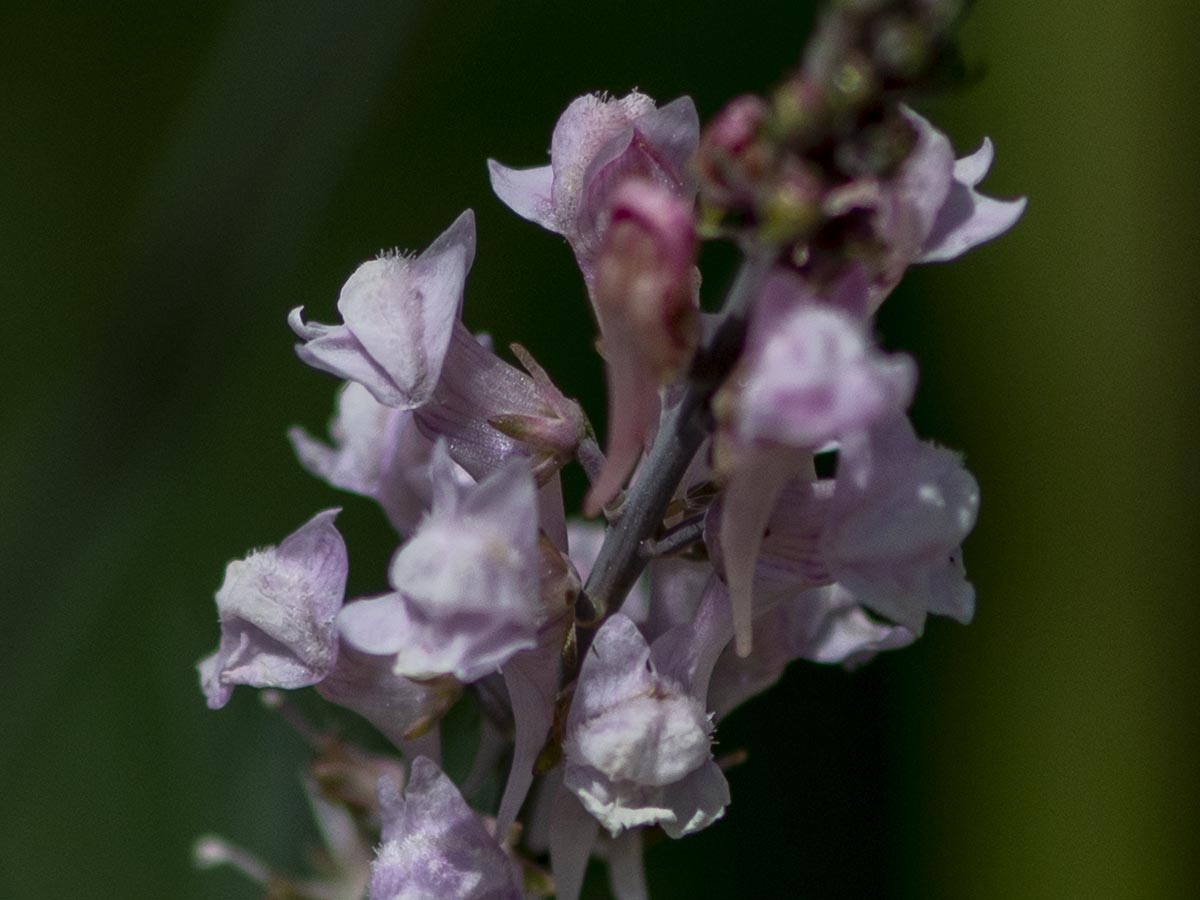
x: 766, y: 497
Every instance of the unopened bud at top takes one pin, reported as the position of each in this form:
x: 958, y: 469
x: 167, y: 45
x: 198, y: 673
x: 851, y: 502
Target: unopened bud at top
x: 733, y: 156
x: 800, y: 112
x: 792, y: 208
x: 901, y: 47
x: 853, y: 83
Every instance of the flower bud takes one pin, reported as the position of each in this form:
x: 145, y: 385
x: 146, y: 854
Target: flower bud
x: 854, y: 82
x: 791, y: 211
x: 877, y: 149
x: 901, y: 47
x: 732, y: 158
x: 644, y: 287
x: 649, y: 323
x: 801, y: 113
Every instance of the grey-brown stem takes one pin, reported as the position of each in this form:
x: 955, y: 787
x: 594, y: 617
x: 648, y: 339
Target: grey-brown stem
x: 680, y: 434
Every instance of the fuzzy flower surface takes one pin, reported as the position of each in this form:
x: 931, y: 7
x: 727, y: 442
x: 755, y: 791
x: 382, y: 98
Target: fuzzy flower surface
x: 598, y: 143
x: 465, y: 586
x: 639, y: 740
x: 434, y: 846
x: 277, y: 609
x: 765, y: 498
x: 398, y: 313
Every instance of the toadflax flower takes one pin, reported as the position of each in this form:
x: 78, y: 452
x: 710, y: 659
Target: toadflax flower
x: 403, y: 342
x: 799, y: 610
x: 598, y: 143
x: 397, y: 316
x: 899, y: 513
x: 638, y: 743
x: 887, y: 531
x: 810, y: 375
x: 965, y: 218
x: 465, y: 585
x: 644, y: 293
x: 489, y: 411
x: 277, y: 609
x: 378, y: 452
x: 929, y: 210
x: 435, y: 846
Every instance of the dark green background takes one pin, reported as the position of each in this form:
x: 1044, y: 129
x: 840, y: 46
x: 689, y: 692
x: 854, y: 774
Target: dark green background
x: 177, y: 176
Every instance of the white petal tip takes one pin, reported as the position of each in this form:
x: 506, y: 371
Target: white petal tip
x: 296, y: 322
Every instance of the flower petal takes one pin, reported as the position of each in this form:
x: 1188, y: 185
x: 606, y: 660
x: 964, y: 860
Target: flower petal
x: 626, y: 872
x: 466, y: 584
x: 395, y: 705
x: 435, y: 846
x: 900, y: 511
x: 277, y: 610
x: 696, y: 801
x: 398, y: 314
x: 532, y: 680
x: 525, y: 191
x: 377, y: 451
x: 572, y: 835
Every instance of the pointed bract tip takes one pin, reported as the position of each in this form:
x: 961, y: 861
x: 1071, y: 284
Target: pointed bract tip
x: 295, y: 321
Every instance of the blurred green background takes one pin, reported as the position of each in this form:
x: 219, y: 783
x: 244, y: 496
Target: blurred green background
x: 177, y: 176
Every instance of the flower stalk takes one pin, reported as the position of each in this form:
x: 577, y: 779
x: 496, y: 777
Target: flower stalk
x: 602, y: 654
